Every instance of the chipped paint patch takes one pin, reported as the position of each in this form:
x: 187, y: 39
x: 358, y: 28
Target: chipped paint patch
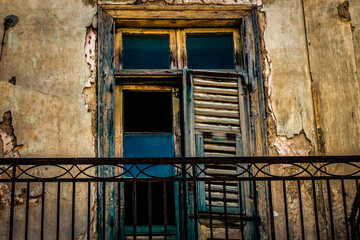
x: 268, y: 73
x: 10, y: 149
x: 89, y: 91
x: 35, y: 60
x: 298, y: 145
x: 89, y: 47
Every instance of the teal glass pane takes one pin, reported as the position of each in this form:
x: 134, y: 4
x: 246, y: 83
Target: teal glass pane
x: 148, y: 146
x: 210, y: 51
x: 146, y: 51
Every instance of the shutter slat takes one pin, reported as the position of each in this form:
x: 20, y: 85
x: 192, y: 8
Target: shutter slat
x: 222, y: 84
x: 216, y: 105
x: 224, y: 91
x: 215, y: 147
x: 217, y: 127
x: 215, y: 97
x: 219, y: 120
x: 215, y: 112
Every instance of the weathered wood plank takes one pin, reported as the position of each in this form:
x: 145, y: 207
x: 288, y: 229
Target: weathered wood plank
x: 216, y: 97
x: 106, y: 121
x: 215, y: 147
x: 215, y: 105
x: 211, y: 82
x: 215, y: 127
x: 177, y: 12
x: 213, y: 90
x: 219, y: 120
x: 213, y: 112
x: 169, y: 23
x: 148, y: 72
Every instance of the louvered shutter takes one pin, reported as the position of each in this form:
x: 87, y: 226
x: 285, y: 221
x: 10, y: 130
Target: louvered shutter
x: 216, y: 114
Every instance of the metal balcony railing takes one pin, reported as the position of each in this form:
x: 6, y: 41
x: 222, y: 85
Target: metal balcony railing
x: 180, y: 198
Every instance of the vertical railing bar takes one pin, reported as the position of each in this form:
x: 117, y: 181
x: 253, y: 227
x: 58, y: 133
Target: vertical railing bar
x: 134, y: 210
x: 73, y: 212
x: 330, y: 209
x: 180, y: 220
x: 185, y: 201
x: 58, y: 212
x: 301, y: 211
x: 27, y: 210
x: 241, y: 210
x: 12, y: 202
x: 286, y: 210
x: 88, y: 212
x: 345, y: 209
x: 165, y: 210
x: 225, y: 212
x: 256, y: 210
x: 315, y: 210
x: 119, y: 210
x: 210, y: 212
x: 150, y: 209
x: 42, y: 211
x: 104, y: 211
x: 355, y: 229
x: 195, y: 201
x: 272, y: 224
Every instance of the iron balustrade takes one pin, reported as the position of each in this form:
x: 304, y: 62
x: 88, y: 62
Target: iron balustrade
x: 263, y: 197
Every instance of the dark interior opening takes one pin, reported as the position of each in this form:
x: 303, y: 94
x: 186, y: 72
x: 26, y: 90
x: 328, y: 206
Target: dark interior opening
x: 142, y: 203
x: 147, y: 111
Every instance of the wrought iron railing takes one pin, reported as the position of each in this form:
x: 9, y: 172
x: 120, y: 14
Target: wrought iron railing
x: 259, y: 197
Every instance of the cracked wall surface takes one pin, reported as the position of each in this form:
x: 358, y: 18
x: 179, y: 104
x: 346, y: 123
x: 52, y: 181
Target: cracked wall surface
x: 45, y: 52
x: 287, y: 82
x: 311, y: 64
x: 8, y: 143
x: 47, y: 103
x: 310, y: 51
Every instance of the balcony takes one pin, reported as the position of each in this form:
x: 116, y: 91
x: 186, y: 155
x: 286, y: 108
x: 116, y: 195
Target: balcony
x: 201, y: 198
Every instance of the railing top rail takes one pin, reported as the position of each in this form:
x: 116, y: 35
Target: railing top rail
x: 181, y: 160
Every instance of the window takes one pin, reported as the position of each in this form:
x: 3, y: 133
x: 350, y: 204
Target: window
x: 201, y: 59
x: 149, y: 85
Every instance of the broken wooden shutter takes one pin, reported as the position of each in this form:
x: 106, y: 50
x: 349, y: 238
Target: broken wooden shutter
x: 216, y: 120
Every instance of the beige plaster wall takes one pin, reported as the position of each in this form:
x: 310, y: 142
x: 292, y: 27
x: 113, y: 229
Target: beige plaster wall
x: 45, y: 53
x: 313, y: 98
x: 335, y: 82
x: 287, y: 78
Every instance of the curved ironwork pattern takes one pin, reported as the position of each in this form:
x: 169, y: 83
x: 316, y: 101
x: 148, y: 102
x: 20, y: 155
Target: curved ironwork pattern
x: 188, y: 168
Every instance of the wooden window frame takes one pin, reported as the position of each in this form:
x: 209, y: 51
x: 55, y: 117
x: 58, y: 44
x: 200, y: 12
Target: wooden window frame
x: 243, y: 17
x: 178, y: 52
x: 119, y: 121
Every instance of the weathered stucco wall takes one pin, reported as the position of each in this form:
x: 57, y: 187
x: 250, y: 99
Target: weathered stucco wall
x: 46, y: 106
x: 311, y: 50
x: 288, y: 85
x: 333, y: 71
x: 45, y: 54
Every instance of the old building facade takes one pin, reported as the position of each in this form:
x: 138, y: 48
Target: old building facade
x: 288, y: 73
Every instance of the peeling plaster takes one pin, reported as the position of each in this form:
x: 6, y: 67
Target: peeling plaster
x: 89, y: 91
x: 35, y: 60
x: 8, y: 141
x: 268, y: 74
x: 343, y: 11
x: 289, y: 118
x: 298, y: 145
